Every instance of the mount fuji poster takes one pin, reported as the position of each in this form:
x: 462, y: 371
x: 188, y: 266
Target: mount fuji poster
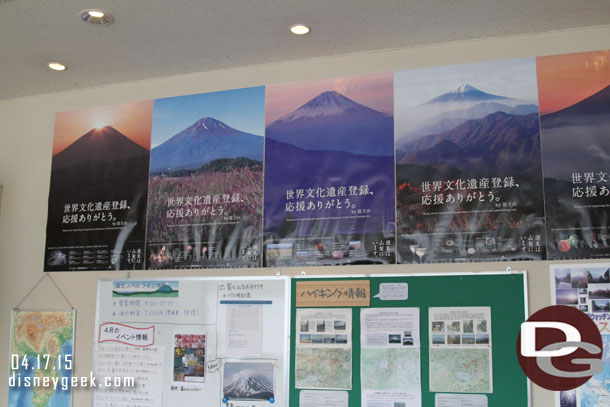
x: 97, y: 196
x: 206, y: 180
x: 468, y: 163
x: 329, y: 172
x: 574, y: 94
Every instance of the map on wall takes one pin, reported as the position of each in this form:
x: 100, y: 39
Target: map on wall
x: 390, y: 369
x: 41, y: 346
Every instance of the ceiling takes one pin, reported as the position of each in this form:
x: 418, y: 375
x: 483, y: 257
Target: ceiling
x: 156, y: 38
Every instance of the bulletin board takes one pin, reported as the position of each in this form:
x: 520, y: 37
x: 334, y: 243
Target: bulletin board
x: 222, y: 340
x: 503, y: 292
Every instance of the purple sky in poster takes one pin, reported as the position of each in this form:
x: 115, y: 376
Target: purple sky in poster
x: 374, y: 91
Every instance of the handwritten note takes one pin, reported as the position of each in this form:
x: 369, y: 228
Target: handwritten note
x: 393, y: 291
x: 125, y: 334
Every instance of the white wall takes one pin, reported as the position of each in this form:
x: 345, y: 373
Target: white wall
x: 26, y: 132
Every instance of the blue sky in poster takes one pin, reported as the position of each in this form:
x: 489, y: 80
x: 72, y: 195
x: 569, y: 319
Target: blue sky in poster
x: 242, y: 109
x: 514, y: 78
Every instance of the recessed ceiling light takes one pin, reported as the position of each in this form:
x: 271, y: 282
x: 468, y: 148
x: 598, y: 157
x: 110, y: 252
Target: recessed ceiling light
x: 96, y: 13
x: 299, y: 29
x: 97, y: 17
x: 56, y: 66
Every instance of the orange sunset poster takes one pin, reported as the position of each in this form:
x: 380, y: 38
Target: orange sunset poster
x: 97, y: 198
x: 574, y: 95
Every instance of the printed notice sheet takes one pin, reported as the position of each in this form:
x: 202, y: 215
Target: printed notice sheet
x: 460, y: 349
x: 323, y: 349
x: 460, y: 400
x: 326, y: 398
x: 390, y: 366
x: 244, y: 330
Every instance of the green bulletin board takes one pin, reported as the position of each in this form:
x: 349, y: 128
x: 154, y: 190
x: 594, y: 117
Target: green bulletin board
x: 504, y: 292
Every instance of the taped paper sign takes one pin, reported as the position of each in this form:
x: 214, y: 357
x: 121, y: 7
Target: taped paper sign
x: 393, y: 291
x: 214, y: 365
x: 333, y: 293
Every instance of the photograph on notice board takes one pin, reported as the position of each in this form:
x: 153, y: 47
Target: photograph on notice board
x: 585, y: 287
x: 329, y: 175
x: 574, y: 94
x: 468, y: 163
x: 567, y: 399
x: 43, y: 344
x: 189, y: 358
x: 206, y: 180
x: 99, y: 181
x: 247, y: 380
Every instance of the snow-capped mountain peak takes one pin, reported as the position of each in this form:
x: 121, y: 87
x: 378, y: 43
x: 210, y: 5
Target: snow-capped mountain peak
x: 328, y: 103
x: 205, y: 140
x: 208, y: 123
x: 465, y: 93
x: 246, y: 387
x: 463, y: 89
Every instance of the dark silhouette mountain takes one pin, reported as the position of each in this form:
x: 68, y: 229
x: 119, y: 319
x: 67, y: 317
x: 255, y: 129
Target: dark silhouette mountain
x: 248, y: 388
x: 165, y: 288
x: 331, y: 121
x: 598, y: 103
x: 101, y: 166
x: 206, y: 140
x: 497, y: 142
x: 589, y: 121
x: 448, y: 120
x: 288, y: 165
x: 465, y: 93
x: 104, y: 145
